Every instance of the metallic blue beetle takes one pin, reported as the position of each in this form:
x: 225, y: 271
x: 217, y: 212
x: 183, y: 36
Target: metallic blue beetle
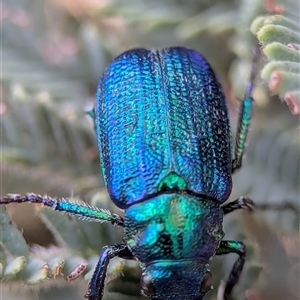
x: 165, y: 148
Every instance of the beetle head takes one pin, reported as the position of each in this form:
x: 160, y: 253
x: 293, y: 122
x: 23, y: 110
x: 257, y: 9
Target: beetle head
x: 170, y: 280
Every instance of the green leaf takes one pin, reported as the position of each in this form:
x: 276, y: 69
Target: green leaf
x: 280, y: 36
x: 12, y: 241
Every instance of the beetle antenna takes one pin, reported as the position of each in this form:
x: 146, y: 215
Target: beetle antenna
x: 77, y: 208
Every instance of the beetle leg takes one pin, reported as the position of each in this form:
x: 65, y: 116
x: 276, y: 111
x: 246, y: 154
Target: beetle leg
x: 242, y: 131
x: 240, y: 203
x: 248, y: 204
x: 227, y: 247
x: 92, y: 114
x: 244, y: 118
x: 96, y: 285
x: 74, y: 208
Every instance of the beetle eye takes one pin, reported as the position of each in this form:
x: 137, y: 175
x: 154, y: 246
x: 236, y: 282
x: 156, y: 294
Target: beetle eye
x: 147, y: 285
x: 206, y: 283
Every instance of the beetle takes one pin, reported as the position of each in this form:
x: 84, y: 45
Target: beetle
x: 165, y: 148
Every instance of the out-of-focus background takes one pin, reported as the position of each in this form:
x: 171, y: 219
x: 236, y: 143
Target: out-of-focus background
x: 53, y: 53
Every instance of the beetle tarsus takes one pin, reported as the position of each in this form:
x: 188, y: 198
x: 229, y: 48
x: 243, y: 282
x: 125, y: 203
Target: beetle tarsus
x: 240, y: 203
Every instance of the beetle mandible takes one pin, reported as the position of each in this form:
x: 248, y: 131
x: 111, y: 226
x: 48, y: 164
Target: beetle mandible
x: 165, y: 149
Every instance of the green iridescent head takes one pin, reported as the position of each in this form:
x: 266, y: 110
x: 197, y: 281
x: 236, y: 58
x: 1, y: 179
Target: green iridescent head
x: 169, y: 237
x: 169, y: 280
x: 174, y: 236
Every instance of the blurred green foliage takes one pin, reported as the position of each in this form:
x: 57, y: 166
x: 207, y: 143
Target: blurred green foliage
x: 53, y: 53
x: 280, y: 38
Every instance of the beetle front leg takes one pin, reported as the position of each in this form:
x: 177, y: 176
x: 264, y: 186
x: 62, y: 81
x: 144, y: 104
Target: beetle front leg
x: 96, y: 285
x: 227, y: 247
x: 240, y: 203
